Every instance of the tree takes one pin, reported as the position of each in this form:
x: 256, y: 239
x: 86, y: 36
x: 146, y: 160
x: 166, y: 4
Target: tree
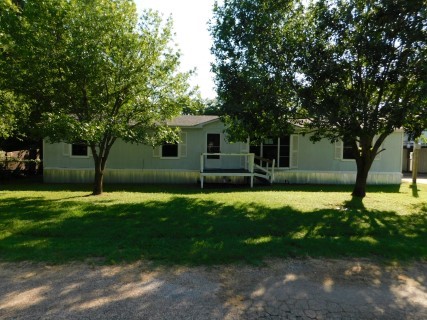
x: 9, y: 110
x: 253, y: 92
x: 93, y: 73
x: 346, y: 69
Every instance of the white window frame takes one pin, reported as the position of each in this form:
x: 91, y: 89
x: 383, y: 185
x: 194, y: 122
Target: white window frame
x: 342, y: 152
x: 339, y: 149
x: 207, y: 147
x: 182, y: 149
x: 71, y: 155
x: 164, y: 157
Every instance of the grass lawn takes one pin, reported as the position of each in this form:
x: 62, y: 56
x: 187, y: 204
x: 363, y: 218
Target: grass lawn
x: 186, y: 225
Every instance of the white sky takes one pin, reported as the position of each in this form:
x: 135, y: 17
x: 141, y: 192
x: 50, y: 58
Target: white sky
x: 190, y: 18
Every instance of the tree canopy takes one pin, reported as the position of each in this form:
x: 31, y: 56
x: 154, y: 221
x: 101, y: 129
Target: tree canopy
x: 11, y: 111
x: 345, y: 69
x: 93, y: 72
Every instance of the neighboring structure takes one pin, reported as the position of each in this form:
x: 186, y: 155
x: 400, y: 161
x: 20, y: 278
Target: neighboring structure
x: 20, y: 162
x: 408, y: 148
x: 204, y: 148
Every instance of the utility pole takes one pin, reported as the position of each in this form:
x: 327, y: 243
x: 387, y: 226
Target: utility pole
x: 415, y: 160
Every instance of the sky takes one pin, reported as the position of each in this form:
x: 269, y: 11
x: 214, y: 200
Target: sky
x: 190, y: 18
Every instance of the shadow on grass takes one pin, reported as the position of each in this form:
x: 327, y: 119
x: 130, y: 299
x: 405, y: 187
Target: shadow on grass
x: 356, y: 203
x: 415, y: 190
x: 194, y: 232
x: 195, y: 188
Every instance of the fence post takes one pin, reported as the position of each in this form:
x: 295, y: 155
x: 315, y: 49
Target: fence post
x: 415, y: 161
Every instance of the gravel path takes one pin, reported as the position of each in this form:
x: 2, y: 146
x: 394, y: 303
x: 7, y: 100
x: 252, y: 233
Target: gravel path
x: 283, y: 289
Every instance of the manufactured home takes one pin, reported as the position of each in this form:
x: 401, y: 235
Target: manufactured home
x: 204, y: 155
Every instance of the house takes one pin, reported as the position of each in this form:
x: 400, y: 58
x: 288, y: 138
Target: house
x: 204, y: 154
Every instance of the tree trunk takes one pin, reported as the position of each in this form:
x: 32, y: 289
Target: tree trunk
x: 99, y: 175
x: 99, y: 181
x: 364, y: 163
x: 365, y: 154
x: 32, y: 166
x: 361, y: 180
x: 100, y: 159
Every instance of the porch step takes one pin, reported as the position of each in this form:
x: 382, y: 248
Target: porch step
x: 250, y: 169
x: 263, y: 180
x: 262, y: 176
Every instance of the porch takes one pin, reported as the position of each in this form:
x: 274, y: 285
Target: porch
x: 251, y: 166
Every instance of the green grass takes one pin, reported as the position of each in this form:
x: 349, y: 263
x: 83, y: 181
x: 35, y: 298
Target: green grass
x: 186, y: 225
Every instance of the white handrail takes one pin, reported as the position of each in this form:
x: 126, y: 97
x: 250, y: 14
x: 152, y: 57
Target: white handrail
x: 272, y: 171
x: 268, y: 170
x: 262, y: 169
x: 227, y: 154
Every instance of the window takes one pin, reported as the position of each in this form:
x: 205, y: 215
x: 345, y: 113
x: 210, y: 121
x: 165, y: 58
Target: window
x: 270, y: 149
x: 213, y: 145
x: 170, y: 150
x: 79, y: 150
x: 278, y: 149
x: 347, y: 151
x: 284, y: 152
x: 175, y: 150
x: 344, y: 150
x: 257, y: 151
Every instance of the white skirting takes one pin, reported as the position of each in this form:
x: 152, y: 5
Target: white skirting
x: 66, y: 175
x: 334, y: 177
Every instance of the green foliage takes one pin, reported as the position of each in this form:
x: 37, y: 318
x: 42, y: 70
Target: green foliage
x: 176, y: 225
x: 364, y: 71
x: 345, y: 69
x: 353, y: 68
x: 204, y: 107
x: 93, y: 72
x: 421, y: 139
x: 10, y: 113
x: 254, y: 89
x: 88, y: 64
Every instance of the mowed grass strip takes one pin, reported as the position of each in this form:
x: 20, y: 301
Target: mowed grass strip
x: 186, y: 225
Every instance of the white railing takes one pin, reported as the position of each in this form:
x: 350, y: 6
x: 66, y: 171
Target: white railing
x: 268, y: 169
x: 250, y: 159
x: 248, y: 169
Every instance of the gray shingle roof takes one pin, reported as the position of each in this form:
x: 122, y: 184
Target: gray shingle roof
x: 191, y: 121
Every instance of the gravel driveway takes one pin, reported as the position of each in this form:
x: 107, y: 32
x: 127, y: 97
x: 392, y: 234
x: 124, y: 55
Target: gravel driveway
x: 282, y: 289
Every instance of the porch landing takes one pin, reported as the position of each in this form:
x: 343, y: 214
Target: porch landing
x: 225, y: 171
x: 250, y: 169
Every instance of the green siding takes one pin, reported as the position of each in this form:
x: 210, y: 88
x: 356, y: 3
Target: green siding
x: 136, y: 156
x: 320, y: 156
x: 138, y: 163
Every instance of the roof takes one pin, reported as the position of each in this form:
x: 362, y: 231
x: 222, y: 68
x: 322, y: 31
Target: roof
x: 191, y: 121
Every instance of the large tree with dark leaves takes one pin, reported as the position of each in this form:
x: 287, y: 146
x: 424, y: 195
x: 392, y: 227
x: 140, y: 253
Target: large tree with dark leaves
x: 92, y: 72
x: 347, y: 69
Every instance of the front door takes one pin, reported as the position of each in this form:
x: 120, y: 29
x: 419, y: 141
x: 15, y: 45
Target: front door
x: 213, y: 145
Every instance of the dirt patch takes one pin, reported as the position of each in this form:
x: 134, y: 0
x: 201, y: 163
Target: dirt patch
x: 308, y: 289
